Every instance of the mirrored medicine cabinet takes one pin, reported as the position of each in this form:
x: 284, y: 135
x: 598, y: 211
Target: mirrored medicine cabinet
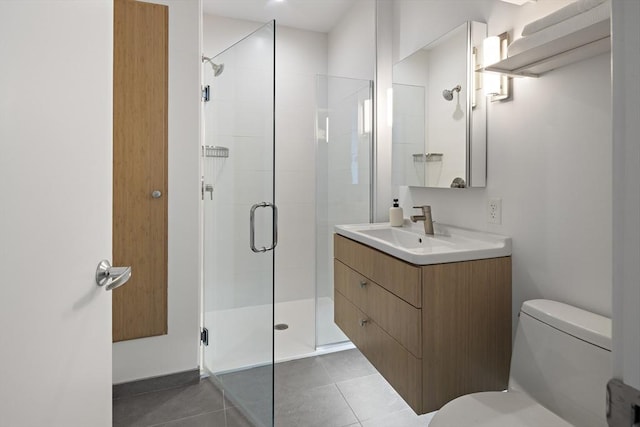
x: 439, y: 113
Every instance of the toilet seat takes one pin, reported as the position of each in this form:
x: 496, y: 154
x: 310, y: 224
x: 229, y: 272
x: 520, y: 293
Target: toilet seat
x: 496, y: 409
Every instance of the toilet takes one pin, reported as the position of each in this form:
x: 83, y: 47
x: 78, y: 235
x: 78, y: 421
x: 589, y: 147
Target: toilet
x: 560, y: 366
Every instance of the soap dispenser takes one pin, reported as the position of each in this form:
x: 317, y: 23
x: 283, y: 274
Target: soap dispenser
x: 396, y: 217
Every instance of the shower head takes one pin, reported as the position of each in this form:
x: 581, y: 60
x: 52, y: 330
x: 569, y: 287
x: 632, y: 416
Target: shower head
x: 448, y: 94
x: 217, y: 68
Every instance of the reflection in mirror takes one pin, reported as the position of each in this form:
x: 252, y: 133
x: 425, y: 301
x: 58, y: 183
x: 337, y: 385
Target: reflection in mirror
x: 439, y: 113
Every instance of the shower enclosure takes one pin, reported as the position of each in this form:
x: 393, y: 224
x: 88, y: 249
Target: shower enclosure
x: 240, y: 226
x: 240, y: 222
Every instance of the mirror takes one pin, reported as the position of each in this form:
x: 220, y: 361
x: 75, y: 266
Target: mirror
x: 439, y: 113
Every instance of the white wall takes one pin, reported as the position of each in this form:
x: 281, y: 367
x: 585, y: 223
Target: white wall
x: 219, y: 33
x: 179, y: 349
x: 549, y: 159
x: 383, y: 86
x: 352, y: 43
x: 301, y: 55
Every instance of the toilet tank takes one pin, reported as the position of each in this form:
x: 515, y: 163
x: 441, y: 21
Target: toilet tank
x: 562, y: 358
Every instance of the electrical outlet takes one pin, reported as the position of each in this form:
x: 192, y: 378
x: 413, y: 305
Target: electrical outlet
x: 494, y: 211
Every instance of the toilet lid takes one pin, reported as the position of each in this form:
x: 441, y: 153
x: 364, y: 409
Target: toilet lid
x: 496, y: 409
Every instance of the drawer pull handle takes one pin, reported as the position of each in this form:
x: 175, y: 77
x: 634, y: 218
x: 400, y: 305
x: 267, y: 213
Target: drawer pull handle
x: 363, y: 322
x: 363, y: 283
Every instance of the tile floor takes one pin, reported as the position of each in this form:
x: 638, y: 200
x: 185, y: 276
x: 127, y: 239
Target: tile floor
x: 333, y: 390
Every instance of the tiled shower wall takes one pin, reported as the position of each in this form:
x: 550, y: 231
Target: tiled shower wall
x: 300, y: 57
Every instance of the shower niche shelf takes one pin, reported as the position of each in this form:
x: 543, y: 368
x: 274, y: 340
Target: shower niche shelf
x: 427, y: 157
x: 214, y: 151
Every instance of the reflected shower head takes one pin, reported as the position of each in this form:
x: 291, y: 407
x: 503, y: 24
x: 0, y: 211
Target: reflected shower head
x: 448, y: 94
x: 217, y: 68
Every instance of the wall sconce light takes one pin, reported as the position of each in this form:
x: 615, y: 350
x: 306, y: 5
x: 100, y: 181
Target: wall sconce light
x: 495, y: 86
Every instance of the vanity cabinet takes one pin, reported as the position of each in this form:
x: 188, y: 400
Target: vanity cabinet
x: 435, y: 332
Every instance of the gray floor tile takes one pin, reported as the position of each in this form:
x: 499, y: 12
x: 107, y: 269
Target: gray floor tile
x: 236, y: 419
x: 371, y: 397
x: 346, y: 365
x: 406, y: 418
x: 321, y: 406
x: 167, y: 405
x: 227, y: 418
x: 164, y: 382
x: 211, y: 419
x: 260, y: 413
x: 333, y: 390
x: 249, y: 385
x: 301, y: 374
x: 251, y: 389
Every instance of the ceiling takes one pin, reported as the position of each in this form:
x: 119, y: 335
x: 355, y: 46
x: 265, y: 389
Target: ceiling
x: 313, y: 15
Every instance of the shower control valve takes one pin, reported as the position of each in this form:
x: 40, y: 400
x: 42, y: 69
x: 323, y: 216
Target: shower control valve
x: 209, y: 189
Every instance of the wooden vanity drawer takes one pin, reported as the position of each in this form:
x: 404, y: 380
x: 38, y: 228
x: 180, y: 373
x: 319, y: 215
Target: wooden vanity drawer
x: 391, y: 359
x: 397, y: 317
x: 348, y: 318
x: 396, y: 364
x: 350, y: 284
x: 396, y: 276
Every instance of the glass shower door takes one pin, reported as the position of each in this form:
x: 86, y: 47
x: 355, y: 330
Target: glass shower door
x: 344, y: 141
x: 240, y: 223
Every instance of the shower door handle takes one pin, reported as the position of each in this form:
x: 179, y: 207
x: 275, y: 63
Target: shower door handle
x: 252, y: 227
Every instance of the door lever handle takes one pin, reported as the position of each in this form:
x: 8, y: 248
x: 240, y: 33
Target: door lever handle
x: 112, y: 277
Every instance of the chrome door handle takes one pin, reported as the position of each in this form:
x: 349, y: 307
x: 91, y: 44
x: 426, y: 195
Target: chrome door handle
x: 156, y: 194
x: 252, y: 227
x: 112, y: 277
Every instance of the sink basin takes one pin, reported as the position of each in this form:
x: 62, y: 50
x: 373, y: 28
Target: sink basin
x: 406, y: 239
x: 409, y: 243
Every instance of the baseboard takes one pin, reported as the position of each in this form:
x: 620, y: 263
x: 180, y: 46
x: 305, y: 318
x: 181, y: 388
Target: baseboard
x: 163, y: 382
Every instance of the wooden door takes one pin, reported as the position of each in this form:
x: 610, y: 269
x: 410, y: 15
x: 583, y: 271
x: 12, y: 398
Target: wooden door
x: 140, y: 167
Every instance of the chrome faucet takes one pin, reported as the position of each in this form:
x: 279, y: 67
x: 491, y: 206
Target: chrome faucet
x: 426, y: 217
